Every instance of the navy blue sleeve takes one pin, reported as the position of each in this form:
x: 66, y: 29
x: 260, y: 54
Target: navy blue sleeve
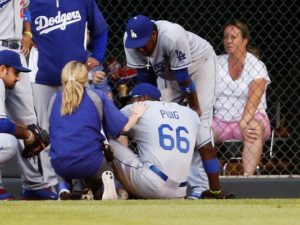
x: 113, y: 120
x: 7, y: 126
x: 98, y: 30
x: 181, y: 75
x: 144, y: 75
x: 99, y: 45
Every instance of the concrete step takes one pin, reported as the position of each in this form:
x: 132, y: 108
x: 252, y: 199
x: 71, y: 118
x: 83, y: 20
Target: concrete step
x: 271, y: 186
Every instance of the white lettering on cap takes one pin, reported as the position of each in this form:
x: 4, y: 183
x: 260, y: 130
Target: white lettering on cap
x: 133, y: 34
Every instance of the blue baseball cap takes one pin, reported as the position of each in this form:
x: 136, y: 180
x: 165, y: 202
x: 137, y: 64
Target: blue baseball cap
x: 12, y: 59
x: 139, y: 30
x: 143, y: 89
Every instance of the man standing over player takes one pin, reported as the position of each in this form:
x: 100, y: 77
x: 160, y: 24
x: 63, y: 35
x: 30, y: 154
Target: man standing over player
x: 184, y: 66
x: 165, y: 149
x: 15, y: 35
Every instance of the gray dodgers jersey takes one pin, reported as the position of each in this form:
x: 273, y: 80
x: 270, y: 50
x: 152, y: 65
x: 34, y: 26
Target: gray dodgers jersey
x: 11, y: 17
x: 166, y: 136
x: 176, y: 49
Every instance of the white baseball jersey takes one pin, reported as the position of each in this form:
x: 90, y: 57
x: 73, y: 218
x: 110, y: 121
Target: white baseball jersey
x: 19, y: 102
x: 11, y: 17
x: 166, y: 137
x: 176, y: 49
x: 233, y: 94
x: 8, y: 143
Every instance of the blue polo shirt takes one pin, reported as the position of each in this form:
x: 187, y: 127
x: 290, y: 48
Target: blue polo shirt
x: 75, y: 146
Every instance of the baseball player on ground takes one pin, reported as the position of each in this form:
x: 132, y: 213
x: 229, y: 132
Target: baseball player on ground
x: 185, y: 67
x: 15, y: 35
x: 167, y: 136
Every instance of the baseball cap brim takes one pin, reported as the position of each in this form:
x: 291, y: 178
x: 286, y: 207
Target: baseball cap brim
x: 132, y: 43
x: 21, y: 69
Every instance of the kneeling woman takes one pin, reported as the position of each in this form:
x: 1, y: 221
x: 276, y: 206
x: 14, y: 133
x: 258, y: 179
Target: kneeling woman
x: 75, y: 125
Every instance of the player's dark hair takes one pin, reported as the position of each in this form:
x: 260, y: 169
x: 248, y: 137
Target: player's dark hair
x: 154, y: 27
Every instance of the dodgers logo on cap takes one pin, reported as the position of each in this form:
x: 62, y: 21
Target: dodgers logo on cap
x: 139, y: 30
x: 133, y: 35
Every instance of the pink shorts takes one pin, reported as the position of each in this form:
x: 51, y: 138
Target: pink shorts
x: 230, y: 130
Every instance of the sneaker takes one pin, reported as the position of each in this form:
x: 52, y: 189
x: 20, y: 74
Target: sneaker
x: 63, y: 190
x: 76, y: 195
x: 194, y: 195
x: 5, y: 196
x: 109, y: 192
x: 87, y: 194
x: 122, y: 194
x: 41, y: 194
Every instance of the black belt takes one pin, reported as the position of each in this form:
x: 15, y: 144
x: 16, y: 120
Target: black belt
x: 163, y: 176
x: 10, y: 44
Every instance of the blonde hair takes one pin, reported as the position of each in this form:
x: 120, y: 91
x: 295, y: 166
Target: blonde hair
x: 74, y: 77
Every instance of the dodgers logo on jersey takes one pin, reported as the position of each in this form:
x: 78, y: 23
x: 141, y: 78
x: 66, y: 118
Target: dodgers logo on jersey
x: 3, y: 3
x: 180, y: 55
x: 46, y: 25
x: 161, y: 66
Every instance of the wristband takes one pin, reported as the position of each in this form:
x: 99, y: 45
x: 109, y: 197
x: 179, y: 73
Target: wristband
x: 27, y: 16
x: 188, y: 88
x: 28, y: 33
x: 211, y: 166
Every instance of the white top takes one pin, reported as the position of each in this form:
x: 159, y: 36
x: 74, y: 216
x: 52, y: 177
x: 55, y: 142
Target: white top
x: 167, y: 135
x: 2, y: 100
x: 176, y: 49
x: 233, y: 94
x: 11, y: 19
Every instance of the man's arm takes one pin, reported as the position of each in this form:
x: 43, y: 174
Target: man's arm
x: 27, y: 35
x: 187, y: 86
x: 19, y: 131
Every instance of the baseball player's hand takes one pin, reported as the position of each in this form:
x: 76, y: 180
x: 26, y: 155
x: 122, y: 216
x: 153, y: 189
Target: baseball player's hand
x: 26, y: 44
x: 209, y: 194
x: 138, y: 109
x: 91, y: 62
x: 98, y: 77
x: 37, y: 141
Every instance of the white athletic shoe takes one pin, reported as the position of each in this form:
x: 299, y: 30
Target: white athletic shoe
x: 122, y: 194
x: 109, y: 192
